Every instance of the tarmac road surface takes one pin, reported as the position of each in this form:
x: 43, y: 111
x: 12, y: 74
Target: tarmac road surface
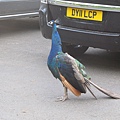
x: 28, y: 90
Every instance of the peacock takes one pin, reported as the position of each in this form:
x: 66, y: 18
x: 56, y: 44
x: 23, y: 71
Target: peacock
x: 69, y: 70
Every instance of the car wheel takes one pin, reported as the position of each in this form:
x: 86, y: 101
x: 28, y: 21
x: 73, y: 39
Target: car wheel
x: 74, y: 50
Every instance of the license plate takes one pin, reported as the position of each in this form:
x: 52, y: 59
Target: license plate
x: 94, y: 15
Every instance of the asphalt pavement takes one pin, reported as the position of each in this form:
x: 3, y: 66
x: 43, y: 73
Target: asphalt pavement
x: 28, y: 90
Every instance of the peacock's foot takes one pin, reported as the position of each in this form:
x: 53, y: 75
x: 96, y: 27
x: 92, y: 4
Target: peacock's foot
x: 62, y: 98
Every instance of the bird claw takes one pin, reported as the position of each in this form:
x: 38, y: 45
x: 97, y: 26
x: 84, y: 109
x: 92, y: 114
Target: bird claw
x: 62, y: 98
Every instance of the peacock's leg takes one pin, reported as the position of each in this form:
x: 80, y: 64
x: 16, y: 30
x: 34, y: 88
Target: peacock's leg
x: 64, y: 97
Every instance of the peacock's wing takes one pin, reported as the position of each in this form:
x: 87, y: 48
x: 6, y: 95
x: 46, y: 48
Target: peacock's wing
x: 68, y: 68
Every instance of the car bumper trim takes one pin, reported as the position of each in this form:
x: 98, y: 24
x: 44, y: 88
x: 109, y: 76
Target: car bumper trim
x: 92, y: 6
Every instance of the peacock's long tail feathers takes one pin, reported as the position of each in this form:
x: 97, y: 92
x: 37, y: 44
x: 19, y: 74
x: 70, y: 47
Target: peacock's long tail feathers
x: 88, y: 87
x: 110, y: 94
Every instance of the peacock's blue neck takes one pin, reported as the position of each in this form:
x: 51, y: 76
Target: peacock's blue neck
x: 56, y: 44
x: 55, y: 49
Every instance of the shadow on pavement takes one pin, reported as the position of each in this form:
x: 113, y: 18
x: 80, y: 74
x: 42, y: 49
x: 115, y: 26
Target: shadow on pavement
x: 102, y: 59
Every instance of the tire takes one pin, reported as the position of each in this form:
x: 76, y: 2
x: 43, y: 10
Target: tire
x: 74, y: 50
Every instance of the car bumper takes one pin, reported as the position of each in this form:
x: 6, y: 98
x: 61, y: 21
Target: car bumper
x: 105, y: 40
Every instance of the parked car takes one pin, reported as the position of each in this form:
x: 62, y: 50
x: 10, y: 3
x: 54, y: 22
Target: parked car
x: 83, y: 23
x: 19, y: 8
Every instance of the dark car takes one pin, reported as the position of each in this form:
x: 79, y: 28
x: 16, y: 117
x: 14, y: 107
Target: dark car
x: 83, y: 23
